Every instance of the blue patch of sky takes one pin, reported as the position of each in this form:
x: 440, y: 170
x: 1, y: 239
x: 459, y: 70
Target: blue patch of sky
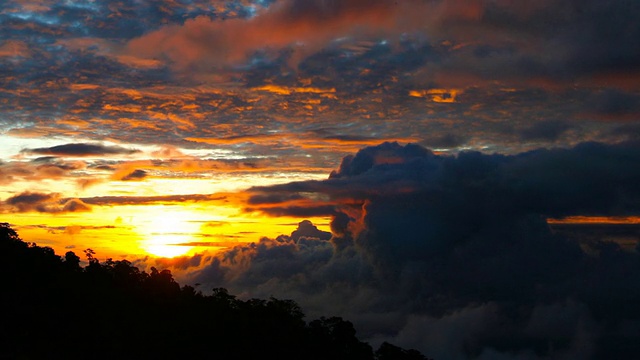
x: 84, y: 4
x: 37, y: 17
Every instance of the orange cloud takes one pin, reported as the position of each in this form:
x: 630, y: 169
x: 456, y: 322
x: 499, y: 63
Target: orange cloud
x: 13, y: 48
x: 137, y: 123
x: 168, y: 151
x: 88, y: 182
x: 15, y: 171
x: 625, y: 80
x: 307, y: 26
x: 218, y: 198
x: 437, y: 95
x: 180, y: 122
x: 136, y: 62
x: 259, y: 138
x: 283, y: 90
x: 80, y: 87
x: 123, y: 108
x: 40, y: 131
x: 43, y: 203
x: 171, y: 161
x: 595, y: 220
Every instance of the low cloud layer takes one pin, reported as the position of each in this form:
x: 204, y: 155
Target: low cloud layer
x: 81, y: 149
x: 453, y: 255
x: 42, y: 203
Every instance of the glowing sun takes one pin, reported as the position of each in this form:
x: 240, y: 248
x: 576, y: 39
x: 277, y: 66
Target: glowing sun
x: 168, y: 234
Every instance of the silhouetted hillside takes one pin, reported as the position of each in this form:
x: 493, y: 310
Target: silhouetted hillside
x: 54, y: 308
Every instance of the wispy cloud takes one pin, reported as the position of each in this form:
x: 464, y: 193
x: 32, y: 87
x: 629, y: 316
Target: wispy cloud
x: 42, y: 203
x: 81, y: 149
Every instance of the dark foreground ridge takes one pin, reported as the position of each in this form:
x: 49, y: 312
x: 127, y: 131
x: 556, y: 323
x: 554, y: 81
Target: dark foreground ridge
x: 54, y: 308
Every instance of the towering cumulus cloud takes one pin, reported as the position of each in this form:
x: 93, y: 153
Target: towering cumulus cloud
x: 454, y: 252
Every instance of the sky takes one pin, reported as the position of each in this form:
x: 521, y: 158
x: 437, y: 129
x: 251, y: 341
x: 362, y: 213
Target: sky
x: 447, y: 174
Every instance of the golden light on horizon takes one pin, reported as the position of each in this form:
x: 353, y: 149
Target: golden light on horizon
x: 167, y: 231
x: 596, y: 220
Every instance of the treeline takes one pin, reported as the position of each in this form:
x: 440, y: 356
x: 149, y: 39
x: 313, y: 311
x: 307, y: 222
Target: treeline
x: 55, y: 308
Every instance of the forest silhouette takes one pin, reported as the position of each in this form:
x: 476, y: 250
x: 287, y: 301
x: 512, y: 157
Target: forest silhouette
x: 56, y: 308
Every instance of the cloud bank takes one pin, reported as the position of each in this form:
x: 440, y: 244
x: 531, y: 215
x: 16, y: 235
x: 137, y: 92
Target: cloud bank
x: 82, y: 149
x: 452, y: 255
x: 42, y: 203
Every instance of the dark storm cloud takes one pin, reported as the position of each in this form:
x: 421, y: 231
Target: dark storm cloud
x: 627, y: 132
x: 615, y: 105
x: 81, y: 149
x: 459, y: 245
x: 545, y: 130
x: 307, y: 229
x: 569, y: 40
x: 42, y: 203
x: 559, y: 178
x: 349, y: 138
x: 607, y: 37
x: 447, y: 140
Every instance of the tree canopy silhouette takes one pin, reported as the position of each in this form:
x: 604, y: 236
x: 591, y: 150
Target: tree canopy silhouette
x: 55, y: 308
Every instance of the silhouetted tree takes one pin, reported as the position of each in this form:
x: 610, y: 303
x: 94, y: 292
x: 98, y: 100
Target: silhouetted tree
x: 337, y: 340
x: 114, y: 310
x: 7, y: 234
x: 388, y: 351
x: 72, y: 261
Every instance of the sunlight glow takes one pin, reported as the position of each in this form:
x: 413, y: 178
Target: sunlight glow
x: 165, y: 233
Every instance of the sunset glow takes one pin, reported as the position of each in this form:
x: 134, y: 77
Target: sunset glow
x: 414, y: 165
x: 167, y: 233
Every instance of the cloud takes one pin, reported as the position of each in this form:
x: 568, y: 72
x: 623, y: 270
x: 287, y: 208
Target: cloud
x: 75, y: 205
x: 447, y: 140
x: 82, y: 149
x: 178, y: 263
x: 319, y: 139
x: 545, y: 130
x: 494, y: 64
x: 135, y: 175
x: 306, y: 26
x: 296, y: 210
x: 610, y: 104
x: 161, y: 199
x: 477, y: 36
x: 420, y: 241
x: 627, y: 132
x: 77, y: 229
x: 43, y: 203
x: 308, y: 230
x: 14, y: 49
x: 38, y: 169
x: 453, y: 254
